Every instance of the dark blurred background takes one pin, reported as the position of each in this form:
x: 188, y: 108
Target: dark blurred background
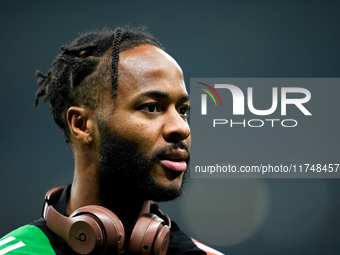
x: 208, y: 39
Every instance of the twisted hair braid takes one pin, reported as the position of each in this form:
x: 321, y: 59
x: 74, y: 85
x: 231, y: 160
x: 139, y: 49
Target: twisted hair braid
x: 115, y: 58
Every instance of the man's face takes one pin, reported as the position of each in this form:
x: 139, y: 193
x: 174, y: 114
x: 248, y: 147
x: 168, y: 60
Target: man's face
x: 144, y: 132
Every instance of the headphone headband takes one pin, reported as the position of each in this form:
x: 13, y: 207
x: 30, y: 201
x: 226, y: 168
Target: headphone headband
x: 52, y: 197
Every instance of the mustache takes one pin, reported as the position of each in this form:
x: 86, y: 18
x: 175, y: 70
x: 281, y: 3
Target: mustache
x: 159, y: 153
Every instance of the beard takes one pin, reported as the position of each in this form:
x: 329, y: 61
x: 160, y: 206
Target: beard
x: 125, y: 170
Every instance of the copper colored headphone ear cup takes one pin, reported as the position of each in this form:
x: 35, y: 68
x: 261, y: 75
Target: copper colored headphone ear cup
x: 108, y: 231
x: 85, y: 235
x: 162, y: 241
x: 144, y: 234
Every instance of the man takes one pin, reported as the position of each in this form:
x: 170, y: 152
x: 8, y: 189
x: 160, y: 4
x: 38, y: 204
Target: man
x: 121, y: 102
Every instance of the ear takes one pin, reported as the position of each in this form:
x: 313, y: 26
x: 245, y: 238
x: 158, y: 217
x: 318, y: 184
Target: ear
x: 80, y: 123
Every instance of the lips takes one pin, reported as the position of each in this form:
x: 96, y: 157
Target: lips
x: 175, y: 160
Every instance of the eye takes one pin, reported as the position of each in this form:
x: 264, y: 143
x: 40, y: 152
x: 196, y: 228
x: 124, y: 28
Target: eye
x: 184, y: 110
x: 150, y: 107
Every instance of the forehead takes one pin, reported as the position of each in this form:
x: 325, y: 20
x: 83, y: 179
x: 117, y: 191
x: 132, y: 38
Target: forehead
x: 147, y: 67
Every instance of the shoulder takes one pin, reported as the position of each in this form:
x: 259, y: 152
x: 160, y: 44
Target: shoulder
x: 208, y: 250
x: 180, y: 243
x: 28, y: 239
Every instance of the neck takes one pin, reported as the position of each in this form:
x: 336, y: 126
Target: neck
x: 86, y: 190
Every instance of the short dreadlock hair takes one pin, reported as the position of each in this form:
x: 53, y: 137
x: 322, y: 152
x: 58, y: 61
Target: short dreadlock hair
x: 81, y: 69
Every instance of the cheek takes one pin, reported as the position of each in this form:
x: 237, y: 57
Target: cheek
x: 145, y: 135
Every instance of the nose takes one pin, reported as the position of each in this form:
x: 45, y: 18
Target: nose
x: 176, y: 127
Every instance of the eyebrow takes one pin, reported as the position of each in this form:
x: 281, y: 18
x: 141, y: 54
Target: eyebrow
x: 160, y: 94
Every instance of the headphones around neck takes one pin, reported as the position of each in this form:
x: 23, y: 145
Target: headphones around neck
x: 95, y: 229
